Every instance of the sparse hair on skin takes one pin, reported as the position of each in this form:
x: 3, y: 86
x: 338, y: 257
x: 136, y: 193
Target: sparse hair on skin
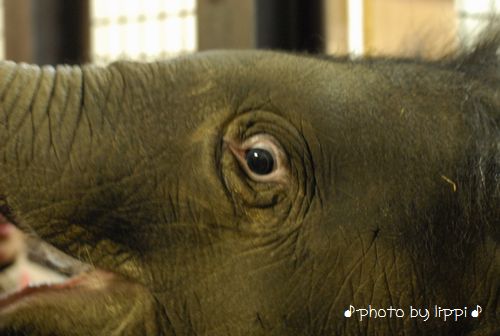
x: 475, y: 213
x: 481, y: 65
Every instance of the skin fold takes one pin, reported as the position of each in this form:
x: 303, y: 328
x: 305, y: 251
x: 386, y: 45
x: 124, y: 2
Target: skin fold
x: 386, y: 193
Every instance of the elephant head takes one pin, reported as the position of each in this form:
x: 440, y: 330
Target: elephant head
x: 257, y: 193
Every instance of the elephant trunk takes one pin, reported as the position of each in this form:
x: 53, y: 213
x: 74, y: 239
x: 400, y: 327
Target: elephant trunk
x: 49, y: 120
x: 34, y: 104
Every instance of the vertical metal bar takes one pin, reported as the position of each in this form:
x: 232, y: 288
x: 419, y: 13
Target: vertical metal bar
x: 355, y: 17
x: 18, y: 30
x: 335, y: 20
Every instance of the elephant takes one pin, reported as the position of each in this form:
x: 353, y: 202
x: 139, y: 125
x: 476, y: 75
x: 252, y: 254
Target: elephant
x: 257, y: 193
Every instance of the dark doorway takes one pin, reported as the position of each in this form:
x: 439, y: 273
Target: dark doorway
x: 290, y: 25
x: 47, y: 31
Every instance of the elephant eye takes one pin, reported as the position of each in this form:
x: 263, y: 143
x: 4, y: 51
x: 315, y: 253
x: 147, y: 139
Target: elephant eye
x: 260, y: 161
x: 261, y: 157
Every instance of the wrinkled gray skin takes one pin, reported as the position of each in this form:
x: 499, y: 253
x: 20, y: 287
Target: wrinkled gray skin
x: 388, y: 193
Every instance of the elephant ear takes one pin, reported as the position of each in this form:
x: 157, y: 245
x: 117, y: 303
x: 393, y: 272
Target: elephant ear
x: 480, y: 63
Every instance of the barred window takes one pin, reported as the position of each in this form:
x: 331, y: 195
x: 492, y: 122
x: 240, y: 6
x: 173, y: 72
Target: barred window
x: 142, y: 29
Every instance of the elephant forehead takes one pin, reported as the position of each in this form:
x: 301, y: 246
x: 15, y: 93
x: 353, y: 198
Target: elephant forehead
x: 327, y: 93
x: 367, y: 110
x: 202, y: 92
x: 246, y: 73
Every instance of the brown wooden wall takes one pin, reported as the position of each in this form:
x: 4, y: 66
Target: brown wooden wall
x: 396, y: 27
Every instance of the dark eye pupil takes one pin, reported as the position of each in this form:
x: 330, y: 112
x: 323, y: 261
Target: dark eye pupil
x: 260, y: 161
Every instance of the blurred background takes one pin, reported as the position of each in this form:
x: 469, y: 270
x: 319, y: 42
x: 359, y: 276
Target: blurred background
x: 100, y: 31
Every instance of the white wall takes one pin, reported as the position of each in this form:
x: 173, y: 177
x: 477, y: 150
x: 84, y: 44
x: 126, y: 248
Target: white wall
x: 473, y: 15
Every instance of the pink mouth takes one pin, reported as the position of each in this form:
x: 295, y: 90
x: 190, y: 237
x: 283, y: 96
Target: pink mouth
x: 6, y: 229
x: 35, y: 270
x: 49, y: 274
x: 94, y: 280
x: 33, y: 290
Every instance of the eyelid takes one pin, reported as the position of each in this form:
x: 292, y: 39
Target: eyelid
x: 267, y: 140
